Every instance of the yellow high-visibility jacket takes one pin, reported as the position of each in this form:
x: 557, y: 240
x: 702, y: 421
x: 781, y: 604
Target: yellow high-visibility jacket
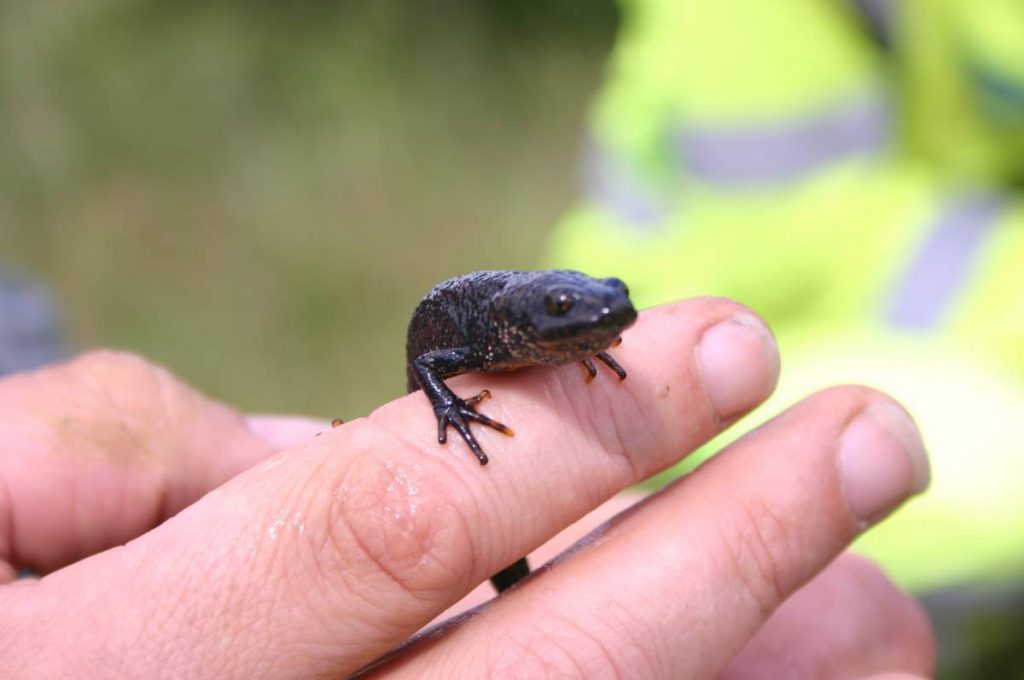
x: 852, y: 170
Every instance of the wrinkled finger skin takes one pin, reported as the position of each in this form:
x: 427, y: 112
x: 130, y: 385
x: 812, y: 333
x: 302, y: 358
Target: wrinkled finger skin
x: 848, y: 622
x: 193, y: 548
x: 678, y: 585
x: 879, y: 625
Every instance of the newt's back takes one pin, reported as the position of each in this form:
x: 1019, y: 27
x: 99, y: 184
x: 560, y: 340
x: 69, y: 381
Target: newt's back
x: 455, y: 313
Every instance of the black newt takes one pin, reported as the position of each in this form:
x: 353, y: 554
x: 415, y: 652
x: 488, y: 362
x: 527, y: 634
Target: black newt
x: 503, y: 320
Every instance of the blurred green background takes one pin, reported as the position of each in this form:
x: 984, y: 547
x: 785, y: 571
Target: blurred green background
x: 256, y: 194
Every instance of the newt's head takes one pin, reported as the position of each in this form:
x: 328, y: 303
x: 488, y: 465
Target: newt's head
x: 557, y: 317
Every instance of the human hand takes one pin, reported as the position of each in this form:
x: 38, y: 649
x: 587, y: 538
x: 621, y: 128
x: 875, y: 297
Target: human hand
x: 321, y: 558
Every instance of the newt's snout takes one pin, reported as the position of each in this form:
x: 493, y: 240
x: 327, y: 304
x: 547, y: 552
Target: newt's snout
x: 619, y: 314
x: 593, y: 328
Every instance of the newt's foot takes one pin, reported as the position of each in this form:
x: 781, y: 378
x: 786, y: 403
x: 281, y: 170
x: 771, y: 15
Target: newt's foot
x: 336, y: 422
x: 606, y: 359
x: 458, y: 413
x: 612, y: 364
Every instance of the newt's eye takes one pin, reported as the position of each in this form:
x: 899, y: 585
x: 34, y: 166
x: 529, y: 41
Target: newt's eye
x: 558, y: 304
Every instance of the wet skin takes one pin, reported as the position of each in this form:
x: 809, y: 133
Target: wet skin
x: 503, y: 320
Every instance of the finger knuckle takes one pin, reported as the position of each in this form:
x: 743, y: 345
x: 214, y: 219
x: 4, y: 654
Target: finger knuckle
x: 762, y: 552
x: 112, y: 361
x: 123, y: 378
x: 597, y: 418
x: 126, y: 403
x: 563, y: 651
x: 392, y: 519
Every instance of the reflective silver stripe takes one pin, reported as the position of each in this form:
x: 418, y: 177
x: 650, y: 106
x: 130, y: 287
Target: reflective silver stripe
x: 941, y: 266
x: 610, y: 183
x: 769, y: 155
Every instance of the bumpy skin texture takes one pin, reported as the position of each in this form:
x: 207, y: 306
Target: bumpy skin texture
x: 503, y: 320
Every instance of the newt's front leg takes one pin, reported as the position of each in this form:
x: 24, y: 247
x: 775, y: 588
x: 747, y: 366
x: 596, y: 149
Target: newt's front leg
x: 448, y: 407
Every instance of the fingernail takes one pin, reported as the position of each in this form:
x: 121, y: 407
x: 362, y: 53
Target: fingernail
x: 739, y: 362
x: 882, y: 461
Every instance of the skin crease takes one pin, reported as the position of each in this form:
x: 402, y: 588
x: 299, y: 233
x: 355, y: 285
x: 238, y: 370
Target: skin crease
x: 180, y: 540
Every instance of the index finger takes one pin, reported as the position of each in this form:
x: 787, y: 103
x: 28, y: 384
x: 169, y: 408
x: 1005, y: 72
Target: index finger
x: 693, y: 369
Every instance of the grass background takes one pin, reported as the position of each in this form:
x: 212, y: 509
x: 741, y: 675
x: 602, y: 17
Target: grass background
x: 256, y: 194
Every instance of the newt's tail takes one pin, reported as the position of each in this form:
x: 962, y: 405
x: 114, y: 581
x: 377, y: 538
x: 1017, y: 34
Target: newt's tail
x: 511, y: 575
